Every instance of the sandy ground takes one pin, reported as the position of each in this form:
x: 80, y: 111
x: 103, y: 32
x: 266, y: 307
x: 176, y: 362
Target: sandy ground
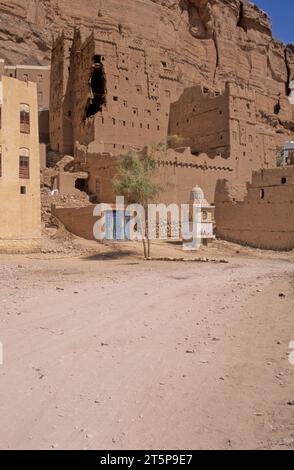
x: 107, y: 351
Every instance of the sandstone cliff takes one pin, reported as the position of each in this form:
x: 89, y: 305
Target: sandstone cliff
x: 211, y: 40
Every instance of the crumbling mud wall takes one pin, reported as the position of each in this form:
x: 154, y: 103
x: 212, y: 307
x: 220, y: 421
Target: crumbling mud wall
x: 265, y: 217
x: 77, y: 220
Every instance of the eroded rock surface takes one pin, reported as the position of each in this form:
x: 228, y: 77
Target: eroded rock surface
x: 213, y: 40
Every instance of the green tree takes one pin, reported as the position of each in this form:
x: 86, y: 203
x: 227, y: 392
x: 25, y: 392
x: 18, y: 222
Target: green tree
x: 135, y: 181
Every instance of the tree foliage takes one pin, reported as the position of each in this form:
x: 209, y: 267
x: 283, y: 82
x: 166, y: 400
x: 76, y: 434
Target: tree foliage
x: 134, y: 179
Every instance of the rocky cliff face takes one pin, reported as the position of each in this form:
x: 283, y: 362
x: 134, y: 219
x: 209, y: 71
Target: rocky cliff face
x: 211, y: 40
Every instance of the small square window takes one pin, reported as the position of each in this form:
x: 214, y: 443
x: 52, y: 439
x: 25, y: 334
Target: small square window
x: 23, y: 190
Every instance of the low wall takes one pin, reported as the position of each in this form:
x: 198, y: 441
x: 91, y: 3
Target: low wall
x: 79, y: 221
x: 265, y: 218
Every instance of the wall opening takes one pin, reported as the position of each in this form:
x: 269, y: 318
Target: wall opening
x: 97, y: 85
x: 262, y: 194
x: 277, y: 107
x: 81, y: 184
x: 284, y: 180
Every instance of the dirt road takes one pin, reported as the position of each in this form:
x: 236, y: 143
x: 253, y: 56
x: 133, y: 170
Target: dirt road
x: 124, y: 354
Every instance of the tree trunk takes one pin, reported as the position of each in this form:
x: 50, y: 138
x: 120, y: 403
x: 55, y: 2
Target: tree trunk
x: 148, y: 247
x: 146, y: 231
x: 144, y: 248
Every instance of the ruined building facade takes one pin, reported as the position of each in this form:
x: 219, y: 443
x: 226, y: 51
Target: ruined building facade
x: 109, y: 93
x: 20, y: 212
x: 228, y: 126
x: 112, y: 90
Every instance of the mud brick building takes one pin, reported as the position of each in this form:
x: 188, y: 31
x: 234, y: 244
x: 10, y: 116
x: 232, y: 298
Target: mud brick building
x: 264, y: 217
x: 41, y: 76
x: 20, y: 213
x: 112, y: 91
x: 109, y: 92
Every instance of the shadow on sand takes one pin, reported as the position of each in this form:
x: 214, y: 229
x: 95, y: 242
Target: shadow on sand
x: 111, y: 255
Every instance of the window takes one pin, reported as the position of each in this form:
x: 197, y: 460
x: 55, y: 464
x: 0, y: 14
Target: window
x: 115, y: 98
x: 24, y: 164
x: 23, y: 190
x: 97, y: 59
x: 24, y: 118
x: 284, y: 180
x: 262, y: 194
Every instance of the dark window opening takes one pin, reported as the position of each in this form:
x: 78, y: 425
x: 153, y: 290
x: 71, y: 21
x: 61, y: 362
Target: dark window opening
x: 97, y: 59
x: 262, y: 194
x: 23, y: 190
x: 277, y: 108
x: 98, y: 89
x: 81, y: 185
x: 115, y: 98
x: 284, y: 180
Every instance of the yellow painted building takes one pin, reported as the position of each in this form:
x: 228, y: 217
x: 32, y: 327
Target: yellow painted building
x: 20, y: 209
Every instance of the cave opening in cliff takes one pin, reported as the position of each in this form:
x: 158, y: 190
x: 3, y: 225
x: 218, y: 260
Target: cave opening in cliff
x: 97, y: 84
x: 240, y: 20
